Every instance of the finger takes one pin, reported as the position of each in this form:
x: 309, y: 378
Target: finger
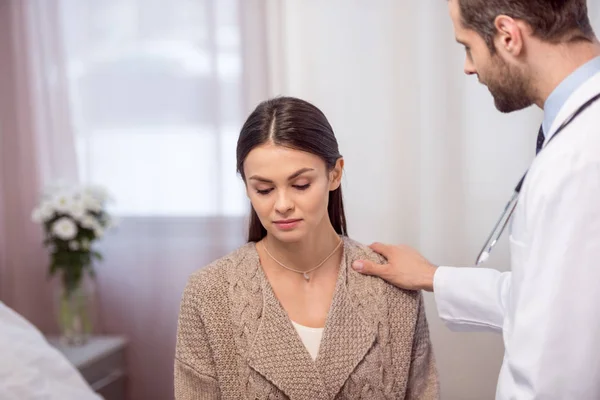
x: 383, y: 249
x: 369, y: 268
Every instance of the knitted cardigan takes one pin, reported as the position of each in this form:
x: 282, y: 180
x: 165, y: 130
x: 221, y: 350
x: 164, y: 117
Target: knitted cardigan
x: 235, y: 341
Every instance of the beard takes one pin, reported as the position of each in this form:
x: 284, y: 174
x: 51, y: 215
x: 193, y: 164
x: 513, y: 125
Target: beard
x: 509, y: 87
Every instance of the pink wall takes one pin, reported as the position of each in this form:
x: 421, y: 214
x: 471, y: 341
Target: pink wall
x: 23, y: 262
x: 147, y: 263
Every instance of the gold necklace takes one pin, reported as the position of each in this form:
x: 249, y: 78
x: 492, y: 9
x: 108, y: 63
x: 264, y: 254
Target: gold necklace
x: 304, y: 273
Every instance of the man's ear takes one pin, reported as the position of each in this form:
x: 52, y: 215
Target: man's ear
x: 509, y: 35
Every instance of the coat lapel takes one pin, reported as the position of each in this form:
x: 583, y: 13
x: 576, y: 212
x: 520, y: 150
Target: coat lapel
x: 278, y: 354
x: 580, y: 96
x: 348, y: 336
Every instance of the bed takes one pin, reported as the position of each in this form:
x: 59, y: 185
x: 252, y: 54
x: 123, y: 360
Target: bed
x: 30, y: 368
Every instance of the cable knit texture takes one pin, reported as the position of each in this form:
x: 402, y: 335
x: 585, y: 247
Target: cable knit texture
x: 235, y: 341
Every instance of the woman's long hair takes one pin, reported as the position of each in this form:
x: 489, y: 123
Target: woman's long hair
x: 296, y: 124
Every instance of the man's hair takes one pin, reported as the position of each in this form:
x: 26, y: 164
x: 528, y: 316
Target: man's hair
x: 554, y: 21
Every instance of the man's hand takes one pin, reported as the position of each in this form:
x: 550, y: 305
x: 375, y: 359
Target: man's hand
x: 407, y: 269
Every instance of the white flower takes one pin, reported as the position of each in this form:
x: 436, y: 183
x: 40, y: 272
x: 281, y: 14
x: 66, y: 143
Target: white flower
x: 99, y: 232
x: 91, y: 203
x: 47, y: 210
x: 42, y: 213
x: 79, y: 207
x: 64, y: 228
x: 77, y: 210
x: 62, y: 202
x: 89, y: 222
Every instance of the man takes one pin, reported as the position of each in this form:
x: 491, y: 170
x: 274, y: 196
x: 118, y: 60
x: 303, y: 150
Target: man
x: 541, y: 52
x: 32, y: 369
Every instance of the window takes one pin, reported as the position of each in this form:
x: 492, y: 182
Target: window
x: 155, y: 90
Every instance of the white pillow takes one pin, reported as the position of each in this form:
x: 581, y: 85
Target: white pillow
x: 30, y: 368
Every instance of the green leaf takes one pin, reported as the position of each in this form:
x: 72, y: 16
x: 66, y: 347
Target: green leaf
x: 53, y: 269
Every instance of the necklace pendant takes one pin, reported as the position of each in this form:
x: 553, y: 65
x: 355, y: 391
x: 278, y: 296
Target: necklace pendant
x: 306, y: 276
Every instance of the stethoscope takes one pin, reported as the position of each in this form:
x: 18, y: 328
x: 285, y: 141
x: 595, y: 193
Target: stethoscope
x: 512, y: 204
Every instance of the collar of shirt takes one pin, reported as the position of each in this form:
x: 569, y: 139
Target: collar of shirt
x: 565, y: 89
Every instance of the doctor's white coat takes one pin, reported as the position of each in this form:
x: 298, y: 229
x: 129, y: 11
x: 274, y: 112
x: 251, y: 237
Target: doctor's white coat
x: 548, y: 306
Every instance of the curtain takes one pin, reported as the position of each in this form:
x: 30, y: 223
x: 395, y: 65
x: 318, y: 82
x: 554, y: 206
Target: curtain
x: 159, y: 90
x: 430, y: 162
x: 36, y: 147
x: 147, y: 98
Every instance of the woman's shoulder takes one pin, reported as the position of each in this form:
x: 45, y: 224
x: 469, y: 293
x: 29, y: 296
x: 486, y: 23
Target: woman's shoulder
x: 215, y: 277
x: 358, y: 251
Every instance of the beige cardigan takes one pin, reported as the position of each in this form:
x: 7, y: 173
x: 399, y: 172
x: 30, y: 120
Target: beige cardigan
x: 235, y: 341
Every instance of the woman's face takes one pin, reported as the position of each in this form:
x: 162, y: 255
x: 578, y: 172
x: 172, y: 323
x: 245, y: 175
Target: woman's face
x: 289, y: 190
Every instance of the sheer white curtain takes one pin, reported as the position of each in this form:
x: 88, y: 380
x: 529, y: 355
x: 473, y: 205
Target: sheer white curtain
x: 147, y: 98
x: 36, y: 147
x: 158, y: 91
x: 157, y: 96
x: 429, y: 160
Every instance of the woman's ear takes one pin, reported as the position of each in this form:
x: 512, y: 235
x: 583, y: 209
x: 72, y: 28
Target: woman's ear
x: 335, y: 175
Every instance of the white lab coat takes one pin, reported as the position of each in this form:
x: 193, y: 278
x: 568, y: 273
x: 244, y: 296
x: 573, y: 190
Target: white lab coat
x: 548, y: 306
x: 31, y: 369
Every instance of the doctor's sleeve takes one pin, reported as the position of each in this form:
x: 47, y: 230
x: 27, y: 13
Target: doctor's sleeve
x: 552, y: 352
x: 472, y: 299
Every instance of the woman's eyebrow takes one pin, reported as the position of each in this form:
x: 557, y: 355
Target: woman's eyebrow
x: 293, y: 176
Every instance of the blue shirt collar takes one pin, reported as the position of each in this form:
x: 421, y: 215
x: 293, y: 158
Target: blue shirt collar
x: 565, y: 89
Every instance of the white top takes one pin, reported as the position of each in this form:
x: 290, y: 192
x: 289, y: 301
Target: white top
x: 30, y: 368
x: 311, y: 337
x: 547, y: 307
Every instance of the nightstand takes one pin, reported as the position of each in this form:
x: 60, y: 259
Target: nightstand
x: 101, y: 361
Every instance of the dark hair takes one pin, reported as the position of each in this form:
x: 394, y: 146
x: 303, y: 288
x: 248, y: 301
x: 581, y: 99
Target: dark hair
x: 551, y: 20
x: 296, y: 124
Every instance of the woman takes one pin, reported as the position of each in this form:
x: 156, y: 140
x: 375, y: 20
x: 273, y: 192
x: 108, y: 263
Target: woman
x: 285, y: 316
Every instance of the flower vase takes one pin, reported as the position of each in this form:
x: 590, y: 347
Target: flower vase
x: 74, y: 311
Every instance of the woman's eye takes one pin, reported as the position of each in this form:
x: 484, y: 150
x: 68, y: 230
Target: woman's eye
x: 302, y: 187
x: 263, y: 191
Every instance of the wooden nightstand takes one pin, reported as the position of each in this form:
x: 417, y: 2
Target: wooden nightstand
x: 101, y: 361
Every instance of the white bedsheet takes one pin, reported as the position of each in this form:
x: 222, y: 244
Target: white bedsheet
x: 32, y: 369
